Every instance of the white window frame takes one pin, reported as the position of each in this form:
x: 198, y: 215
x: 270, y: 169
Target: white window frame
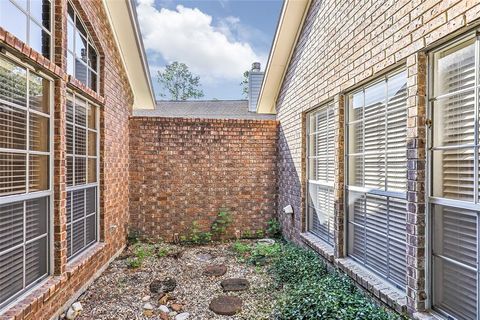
x: 38, y: 194
x: 433, y: 200
x: 363, y: 190
x: 74, y: 187
x: 329, y: 108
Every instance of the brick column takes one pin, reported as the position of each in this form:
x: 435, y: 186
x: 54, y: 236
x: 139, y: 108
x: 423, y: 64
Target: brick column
x: 59, y: 170
x: 339, y: 176
x: 416, y: 138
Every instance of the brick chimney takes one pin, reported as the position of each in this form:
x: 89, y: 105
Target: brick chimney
x: 255, y: 78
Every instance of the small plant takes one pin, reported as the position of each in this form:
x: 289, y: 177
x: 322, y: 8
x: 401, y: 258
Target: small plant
x: 162, y: 252
x: 196, y: 236
x: 263, y: 253
x: 134, y: 262
x: 221, y: 223
x: 260, y: 233
x: 241, y: 248
x: 248, y: 234
x: 273, y: 228
x: 133, y: 237
x: 140, y: 253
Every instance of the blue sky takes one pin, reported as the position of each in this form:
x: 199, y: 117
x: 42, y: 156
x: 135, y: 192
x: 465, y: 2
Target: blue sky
x: 217, y: 39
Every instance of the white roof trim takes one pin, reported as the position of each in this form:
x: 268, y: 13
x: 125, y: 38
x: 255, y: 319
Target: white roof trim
x: 123, y: 19
x: 286, y: 36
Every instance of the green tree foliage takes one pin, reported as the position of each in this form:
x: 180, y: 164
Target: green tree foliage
x: 179, y: 83
x: 244, y: 84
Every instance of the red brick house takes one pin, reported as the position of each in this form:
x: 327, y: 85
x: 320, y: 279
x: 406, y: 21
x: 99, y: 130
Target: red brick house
x: 377, y: 103
x: 71, y: 72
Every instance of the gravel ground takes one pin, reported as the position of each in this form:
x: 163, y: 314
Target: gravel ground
x: 118, y: 292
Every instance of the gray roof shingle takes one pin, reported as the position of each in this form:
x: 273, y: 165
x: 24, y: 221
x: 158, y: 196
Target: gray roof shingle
x: 206, y: 109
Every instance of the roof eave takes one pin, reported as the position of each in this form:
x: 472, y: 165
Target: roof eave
x: 288, y: 30
x: 123, y: 19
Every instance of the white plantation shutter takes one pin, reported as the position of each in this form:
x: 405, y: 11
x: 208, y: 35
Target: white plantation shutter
x: 321, y: 172
x: 24, y: 179
x: 376, y: 158
x: 455, y: 155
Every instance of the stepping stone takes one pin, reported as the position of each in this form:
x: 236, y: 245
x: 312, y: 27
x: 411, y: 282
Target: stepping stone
x: 162, y: 286
x: 204, y: 256
x: 215, y: 270
x: 226, y: 305
x: 235, y: 284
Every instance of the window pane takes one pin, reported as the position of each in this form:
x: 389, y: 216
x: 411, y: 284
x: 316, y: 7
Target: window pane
x: 12, y: 173
x: 91, y: 201
x: 38, y: 173
x: 455, y: 289
x: 92, y: 170
x: 70, y: 63
x: 13, y: 125
x: 80, y: 141
x: 454, y: 68
x: 39, y: 39
x: 92, y: 58
x: 71, y: 13
x: 12, y: 282
x: 13, y: 20
x: 39, y: 93
x: 374, y: 172
x: 91, y: 229
x: 78, y: 210
x: 40, y: 10
x: 39, y: 129
x: 454, y: 119
x: 80, y: 170
x: 375, y: 99
x: 69, y: 138
x: 69, y: 171
x: 11, y: 225
x: 13, y: 82
x: 80, y: 112
x: 92, y: 80
x: 355, y: 137
x: 356, y: 104
x: 37, y: 217
x: 92, y: 117
x: 78, y: 236
x: 81, y: 48
x: 81, y: 71
x: 455, y: 234
x: 453, y: 173
x: 36, y: 262
x: 355, y: 171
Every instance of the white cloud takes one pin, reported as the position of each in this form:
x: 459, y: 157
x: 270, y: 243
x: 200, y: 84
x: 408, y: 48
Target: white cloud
x: 187, y: 35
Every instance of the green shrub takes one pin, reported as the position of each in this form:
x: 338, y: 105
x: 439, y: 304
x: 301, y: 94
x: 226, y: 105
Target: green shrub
x: 311, y: 292
x: 195, y: 236
x: 221, y: 223
x: 273, y: 228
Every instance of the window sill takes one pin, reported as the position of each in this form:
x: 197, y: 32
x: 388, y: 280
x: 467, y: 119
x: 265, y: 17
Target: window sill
x: 81, y: 260
x: 77, y: 84
x: 379, y: 288
x: 33, y: 300
x: 318, y: 245
x: 426, y: 316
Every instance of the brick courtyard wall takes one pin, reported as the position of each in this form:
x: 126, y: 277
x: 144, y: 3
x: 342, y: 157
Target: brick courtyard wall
x: 186, y: 170
x: 344, y: 44
x: 115, y: 101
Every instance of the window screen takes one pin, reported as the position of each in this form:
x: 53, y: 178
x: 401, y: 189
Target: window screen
x: 25, y: 156
x: 454, y: 171
x: 29, y: 21
x: 82, y: 56
x: 320, y: 162
x: 82, y: 168
x: 376, y: 176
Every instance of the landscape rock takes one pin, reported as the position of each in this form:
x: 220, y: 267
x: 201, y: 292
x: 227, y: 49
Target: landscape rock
x: 226, y: 305
x: 235, y: 284
x: 74, y: 311
x: 182, y: 316
x: 204, y: 256
x: 148, y: 306
x: 176, y: 307
x: 77, y: 307
x: 164, y: 308
x: 215, y: 270
x: 146, y: 298
x: 148, y: 313
x: 266, y: 241
x: 71, y: 314
x: 163, y: 286
x: 164, y: 316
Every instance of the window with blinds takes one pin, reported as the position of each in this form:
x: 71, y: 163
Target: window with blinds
x: 376, y: 177
x: 25, y: 192
x: 82, y: 173
x: 454, y: 168
x: 321, y: 171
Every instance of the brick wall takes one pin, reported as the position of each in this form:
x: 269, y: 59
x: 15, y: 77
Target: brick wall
x: 186, y: 170
x: 342, y: 45
x: 115, y: 101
